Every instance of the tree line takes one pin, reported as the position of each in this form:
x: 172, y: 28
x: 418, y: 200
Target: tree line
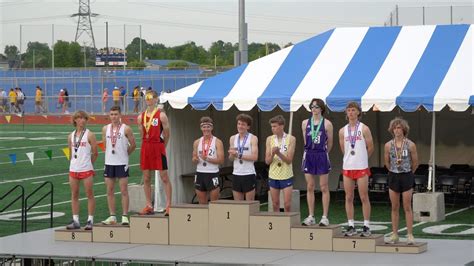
x: 71, y: 54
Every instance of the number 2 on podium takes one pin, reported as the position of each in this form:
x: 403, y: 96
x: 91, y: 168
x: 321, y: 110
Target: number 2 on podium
x: 189, y: 217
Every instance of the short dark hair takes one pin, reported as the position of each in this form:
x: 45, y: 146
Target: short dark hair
x: 320, y: 103
x: 245, y: 118
x: 279, y: 119
x: 206, y: 120
x: 116, y: 108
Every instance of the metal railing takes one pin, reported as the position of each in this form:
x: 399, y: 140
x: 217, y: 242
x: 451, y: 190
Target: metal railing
x: 27, y: 207
x: 22, y: 197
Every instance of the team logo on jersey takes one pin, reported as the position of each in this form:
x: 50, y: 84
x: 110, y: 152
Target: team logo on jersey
x: 154, y: 122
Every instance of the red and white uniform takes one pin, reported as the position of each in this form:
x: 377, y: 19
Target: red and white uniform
x: 81, y: 164
x: 153, y: 152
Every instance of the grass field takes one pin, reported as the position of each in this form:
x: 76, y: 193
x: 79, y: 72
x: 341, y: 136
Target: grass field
x: 20, y: 139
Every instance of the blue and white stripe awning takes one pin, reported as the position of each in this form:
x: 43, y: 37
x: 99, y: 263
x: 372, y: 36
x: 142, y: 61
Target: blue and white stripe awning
x: 410, y: 66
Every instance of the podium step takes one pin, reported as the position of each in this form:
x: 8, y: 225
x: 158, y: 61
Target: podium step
x: 229, y: 222
x: 111, y: 233
x: 402, y: 247
x: 149, y: 229
x: 314, y: 237
x: 189, y: 225
x: 357, y: 243
x: 78, y: 235
x: 272, y: 229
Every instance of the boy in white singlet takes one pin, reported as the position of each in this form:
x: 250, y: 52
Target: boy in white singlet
x: 119, y: 144
x: 83, y: 151
x: 357, y: 146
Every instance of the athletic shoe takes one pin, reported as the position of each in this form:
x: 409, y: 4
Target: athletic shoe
x: 88, y: 225
x: 160, y: 210
x: 309, y: 221
x: 324, y: 222
x: 110, y: 221
x: 73, y: 225
x: 393, y: 239
x: 410, y: 240
x: 365, y: 231
x: 148, y: 210
x: 167, y: 211
x: 350, y: 231
x: 125, y: 220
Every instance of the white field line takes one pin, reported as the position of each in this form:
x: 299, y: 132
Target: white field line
x: 45, y: 176
x: 99, y: 183
x: 30, y: 147
x: 64, y: 202
x: 41, y: 146
x: 33, y: 132
x: 59, y: 203
x: 422, y: 223
x: 54, y: 157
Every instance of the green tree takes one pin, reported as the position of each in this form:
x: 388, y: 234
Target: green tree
x: 42, y: 55
x: 223, y: 52
x: 11, y: 53
x: 257, y: 50
x: 75, y: 56
x: 61, y: 49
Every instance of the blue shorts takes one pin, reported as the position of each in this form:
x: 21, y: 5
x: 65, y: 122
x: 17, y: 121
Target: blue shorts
x: 316, y: 163
x: 280, y: 184
x: 113, y: 171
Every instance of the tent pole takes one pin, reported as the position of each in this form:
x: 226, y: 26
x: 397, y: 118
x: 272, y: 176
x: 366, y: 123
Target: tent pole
x: 432, y: 163
x: 290, y: 126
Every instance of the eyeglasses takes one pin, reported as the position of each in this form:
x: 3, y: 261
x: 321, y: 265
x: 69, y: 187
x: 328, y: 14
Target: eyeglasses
x: 314, y: 106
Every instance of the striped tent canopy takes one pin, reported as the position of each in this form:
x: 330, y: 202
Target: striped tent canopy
x: 381, y: 67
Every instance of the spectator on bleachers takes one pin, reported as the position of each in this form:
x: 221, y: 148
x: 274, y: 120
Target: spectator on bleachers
x: 39, y: 100
x: 12, y: 96
x: 66, y: 101
x: 20, y: 100
x: 61, y: 100
x: 105, y: 98
x: 123, y: 92
x: 136, y: 99
x: 116, y: 96
x: 3, y: 100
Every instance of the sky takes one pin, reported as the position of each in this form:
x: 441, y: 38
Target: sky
x: 177, y: 22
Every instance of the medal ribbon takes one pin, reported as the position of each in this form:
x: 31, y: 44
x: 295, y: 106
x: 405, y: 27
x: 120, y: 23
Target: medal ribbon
x: 77, y: 144
x: 113, y: 134
x: 147, y: 124
x: 282, y: 145
x: 240, y: 148
x: 314, y: 134
x: 206, y: 145
x: 399, y: 155
x: 353, y: 139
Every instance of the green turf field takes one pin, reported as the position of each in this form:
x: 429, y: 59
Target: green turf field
x: 21, y: 139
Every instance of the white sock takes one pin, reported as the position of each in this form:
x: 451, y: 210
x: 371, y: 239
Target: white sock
x: 366, y: 223
x: 90, y: 218
x: 113, y: 216
x: 350, y: 223
x: 324, y: 217
x: 75, y: 218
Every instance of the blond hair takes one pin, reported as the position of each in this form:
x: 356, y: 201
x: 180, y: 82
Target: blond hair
x: 78, y: 114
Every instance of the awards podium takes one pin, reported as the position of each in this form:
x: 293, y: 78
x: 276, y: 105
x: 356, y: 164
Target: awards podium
x: 229, y: 223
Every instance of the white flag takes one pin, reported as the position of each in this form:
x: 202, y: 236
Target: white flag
x: 31, y: 156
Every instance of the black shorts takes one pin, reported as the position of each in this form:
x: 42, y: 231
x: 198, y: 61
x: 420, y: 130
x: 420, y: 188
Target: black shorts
x: 206, y: 181
x: 401, y: 182
x: 244, y: 183
x: 113, y: 171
